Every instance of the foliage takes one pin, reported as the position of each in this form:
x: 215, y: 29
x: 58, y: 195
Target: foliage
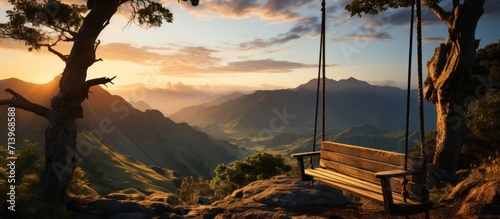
x: 29, y: 167
x: 239, y: 173
x: 45, y: 23
x: 192, y: 188
x: 489, y: 168
x: 38, y: 23
x: 438, y: 195
x: 484, y: 117
x: 483, y: 125
x: 430, y: 145
x: 358, y: 7
x: 487, y: 63
x: 78, y: 181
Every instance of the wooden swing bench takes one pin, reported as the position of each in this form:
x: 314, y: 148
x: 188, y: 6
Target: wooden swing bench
x: 372, y: 174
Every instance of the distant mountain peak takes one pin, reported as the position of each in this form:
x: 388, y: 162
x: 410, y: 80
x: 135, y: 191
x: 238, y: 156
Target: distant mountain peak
x: 333, y: 85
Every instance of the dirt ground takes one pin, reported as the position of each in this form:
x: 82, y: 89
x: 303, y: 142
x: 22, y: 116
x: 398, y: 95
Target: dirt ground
x: 373, y: 210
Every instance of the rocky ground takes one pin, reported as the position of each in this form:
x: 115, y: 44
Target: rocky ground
x: 281, y: 197
x: 284, y: 197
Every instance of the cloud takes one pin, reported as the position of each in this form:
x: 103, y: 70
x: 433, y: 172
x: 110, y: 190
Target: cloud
x: 261, y: 66
x: 305, y: 26
x: 364, y: 33
x: 178, y: 60
x: 188, y: 61
x: 276, y: 11
x: 433, y: 40
x: 128, y: 52
x: 384, y: 83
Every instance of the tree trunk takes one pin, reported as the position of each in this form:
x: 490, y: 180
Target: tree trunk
x: 449, y: 71
x: 60, y: 146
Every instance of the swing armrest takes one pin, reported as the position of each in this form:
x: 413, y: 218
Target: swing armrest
x: 305, y: 154
x: 300, y: 163
x: 396, y: 173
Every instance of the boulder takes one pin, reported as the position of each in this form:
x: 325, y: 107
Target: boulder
x: 127, y: 194
x: 157, y: 208
x: 278, y: 197
x: 482, y: 199
x: 203, y: 201
x: 111, y: 206
x: 169, y: 198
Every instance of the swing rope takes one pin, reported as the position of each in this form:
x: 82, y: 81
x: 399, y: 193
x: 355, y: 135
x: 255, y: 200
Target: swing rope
x: 322, y: 76
x: 323, y: 33
x: 408, y: 91
x: 420, y: 89
x: 321, y: 67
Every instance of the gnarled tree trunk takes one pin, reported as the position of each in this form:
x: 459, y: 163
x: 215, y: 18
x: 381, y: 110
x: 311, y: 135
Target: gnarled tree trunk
x: 60, y: 146
x: 449, y: 72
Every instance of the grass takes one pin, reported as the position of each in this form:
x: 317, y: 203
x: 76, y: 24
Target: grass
x: 488, y: 170
x: 438, y: 195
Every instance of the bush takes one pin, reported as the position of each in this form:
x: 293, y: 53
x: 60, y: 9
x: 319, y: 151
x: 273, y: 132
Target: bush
x: 240, y: 173
x: 483, y: 117
x: 29, y: 167
x: 192, y: 188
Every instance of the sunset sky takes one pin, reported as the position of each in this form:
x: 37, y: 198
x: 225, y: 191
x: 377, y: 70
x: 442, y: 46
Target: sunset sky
x: 247, y: 44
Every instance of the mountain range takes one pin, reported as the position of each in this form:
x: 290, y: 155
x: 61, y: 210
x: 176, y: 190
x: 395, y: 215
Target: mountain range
x: 148, y: 137
x: 279, y: 121
x: 266, y: 114
x: 170, y: 100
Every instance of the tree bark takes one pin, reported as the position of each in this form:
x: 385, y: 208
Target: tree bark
x: 449, y: 71
x: 61, y: 157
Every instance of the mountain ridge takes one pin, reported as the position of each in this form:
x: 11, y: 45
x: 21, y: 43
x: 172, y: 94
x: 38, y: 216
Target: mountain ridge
x: 349, y: 103
x: 147, y: 136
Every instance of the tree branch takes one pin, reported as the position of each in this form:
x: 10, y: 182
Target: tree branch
x: 57, y: 53
x: 98, y: 81
x: 440, y: 12
x: 19, y: 101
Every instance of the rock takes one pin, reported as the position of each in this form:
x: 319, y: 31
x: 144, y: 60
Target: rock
x: 127, y: 194
x: 482, y: 200
x: 132, y: 215
x: 169, y: 198
x: 278, y: 197
x: 210, y: 211
x: 117, y: 196
x: 297, y: 194
x: 203, y: 201
x: 462, y: 189
x: 237, y: 194
x: 157, y: 208
x: 181, y: 210
x: 110, y: 207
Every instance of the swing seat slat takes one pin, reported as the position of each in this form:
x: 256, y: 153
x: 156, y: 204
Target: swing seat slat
x: 370, y: 173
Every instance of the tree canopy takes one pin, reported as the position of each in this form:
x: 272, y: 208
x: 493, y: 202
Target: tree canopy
x: 359, y: 7
x: 44, y: 24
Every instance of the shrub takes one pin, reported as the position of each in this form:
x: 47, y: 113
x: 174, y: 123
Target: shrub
x: 240, y: 173
x: 29, y: 167
x: 192, y: 188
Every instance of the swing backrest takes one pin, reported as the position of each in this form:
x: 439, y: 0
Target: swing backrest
x: 363, y: 163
